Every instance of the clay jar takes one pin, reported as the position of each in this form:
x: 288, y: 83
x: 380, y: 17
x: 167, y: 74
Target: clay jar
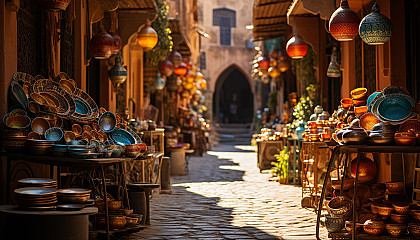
x: 334, y: 224
x: 355, y: 136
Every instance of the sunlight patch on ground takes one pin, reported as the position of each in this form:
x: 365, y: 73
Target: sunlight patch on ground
x: 246, y: 147
x: 231, y: 167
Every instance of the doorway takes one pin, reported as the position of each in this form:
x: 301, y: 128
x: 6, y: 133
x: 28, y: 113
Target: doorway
x: 233, y: 100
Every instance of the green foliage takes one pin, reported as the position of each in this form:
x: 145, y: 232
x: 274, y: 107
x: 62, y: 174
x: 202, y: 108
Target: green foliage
x: 164, y: 44
x: 280, y: 167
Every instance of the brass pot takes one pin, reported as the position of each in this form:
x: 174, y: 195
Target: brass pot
x: 117, y: 222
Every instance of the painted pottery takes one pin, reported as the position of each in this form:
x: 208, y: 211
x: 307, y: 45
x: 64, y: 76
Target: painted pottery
x: 344, y: 23
x: 375, y: 28
x: 334, y: 224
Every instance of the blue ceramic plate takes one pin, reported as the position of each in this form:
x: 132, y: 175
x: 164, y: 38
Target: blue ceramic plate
x: 107, y: 122
x: 395, y: 107
x: 81, y: 107
x: 123, y: 137
x: 393, y: 90
x: 54, y: 134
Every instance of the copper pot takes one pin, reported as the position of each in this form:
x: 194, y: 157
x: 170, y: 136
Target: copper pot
x: 367, y: 169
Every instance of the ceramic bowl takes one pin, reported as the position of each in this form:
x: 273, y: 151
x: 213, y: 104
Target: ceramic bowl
x: 405, y: 138
x: 396, y: 230
x: 346, y: 103
x: 67, y: 86
x: 87, y: 128
x: 395, y: 107
x: 359, y: 111
x: 117, y: 150
x: 334, y: 224
x: 51, y: 100
x: 377, y: 137
x: 368, y: 120
x: 96, y: 126
x: 123, y: 137
x: 69, y: 136
x: 14, y: 144
x: 374, y: 227
x: 17, y: 122
x: 384, y: 211
x: 401, y: 208
x: 102, y: 136
x: 395, y: 187
x: 349, y: 227
x: 355, y: 136
x: 34, y: 107
x: 40, y: 125
x: 107, y: 122
x: 358, y: 93
x: 54, y: 134
x: 77, y: 129
x: 132, y: 150
x: 370, y: 98
x: 82, y: 108
x: 399, y: 218
x: 38, y: 98
x: 411, y: 125
x: 414, y: 229
x: 34, y: 135
x: 359, y: 102
x: 117, y: 222
x: 339, y: 206
x: 384, y: 127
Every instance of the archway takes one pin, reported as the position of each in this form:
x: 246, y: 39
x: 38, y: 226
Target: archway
x: 233, y: 101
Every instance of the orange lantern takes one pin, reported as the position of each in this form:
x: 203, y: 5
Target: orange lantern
x: 147, y: 38
x: 274, y: 72
x: 296, y: 48
x: 181, y: 70
x: 263, y: 62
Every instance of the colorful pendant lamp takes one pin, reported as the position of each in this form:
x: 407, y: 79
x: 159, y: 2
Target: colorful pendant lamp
x: 283, y: 63
x: 263, y: 62
x: 101, y: 45
x: 344, y: 23
x: 296, y: 48
x: 274, y: 72
x: 181, y: 70
x: 375, y: 28
x: 147, y: 37
x: 117, y: 74
x: 160, y: 82
x: 334, y: 69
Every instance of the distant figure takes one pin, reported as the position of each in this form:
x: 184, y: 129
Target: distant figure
x: 233, y: 108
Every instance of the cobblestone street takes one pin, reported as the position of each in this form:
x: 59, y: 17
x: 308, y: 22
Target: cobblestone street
x: 224, y: 196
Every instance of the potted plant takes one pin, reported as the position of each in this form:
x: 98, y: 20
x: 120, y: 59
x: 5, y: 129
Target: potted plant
x: 281, y: 166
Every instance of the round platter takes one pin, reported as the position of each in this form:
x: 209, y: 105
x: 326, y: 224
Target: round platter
x: 72, y: 191
x: 40, y: 181
x: 123, y: 137
x: 35, y: 191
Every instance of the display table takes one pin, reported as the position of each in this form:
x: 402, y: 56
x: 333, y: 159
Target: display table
x: 337, y: 154
x: 88, y: 164
x: 45, y: 225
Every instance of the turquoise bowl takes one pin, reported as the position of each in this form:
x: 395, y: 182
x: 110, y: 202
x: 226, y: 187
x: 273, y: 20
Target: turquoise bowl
x: 395, y: 108
x: 54, y: 134
x: 123, y: 137
x: 107, y: 122
x: 81, y: 107
x: 370, y: 98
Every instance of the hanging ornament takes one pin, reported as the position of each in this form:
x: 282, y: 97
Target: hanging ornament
x: 203, y: 84
x: 273, y: 62
x: 334, y: 69
x: 147, y: 37
x: 187, y: 62
x: 175, y: 57
x: 283, y: 64
x: 166, y: 68
x: 117, y: 43
x: 274, y: 54
x: 274, y: 72
x: 117, y: 74
x: 296, y: 48
x: 344, y: 23
x: 54, y: 5
x: 181, y: 70
x: 101, y: 45
x: 375, y: 28
x: 263, y: 62
x: 160, y: 82
x: 199, y: 75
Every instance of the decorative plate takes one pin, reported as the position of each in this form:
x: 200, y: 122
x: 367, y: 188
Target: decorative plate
x: 368, y: 120
x: 35, y: 191
x: 54, y: 134
x: 73, y: 191
x: 107, y: 122
x: 393, y: 90
x: 82, y: 108
x: 395, y: 107
x: 123, y: 137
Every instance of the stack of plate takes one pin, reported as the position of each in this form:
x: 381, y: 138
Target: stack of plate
x: 73, y: 195
x: 37, y: 182
x: 38, y: 147
x: 33, y: 197
x: 58, y: 150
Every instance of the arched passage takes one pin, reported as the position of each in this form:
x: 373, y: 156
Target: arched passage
x: 233, y: 101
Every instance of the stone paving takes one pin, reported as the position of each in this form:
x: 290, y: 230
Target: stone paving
x: 224, y: 196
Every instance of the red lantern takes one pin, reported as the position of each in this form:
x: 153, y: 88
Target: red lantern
x: 344, y: 23
x: 181, y: 70
x: 175, y: 57
x: 55, y: 5
x: 296, y: 48
x: 166, y: 68
x: 101, y: 45
x: 117, y: 43
x: 263, y: 62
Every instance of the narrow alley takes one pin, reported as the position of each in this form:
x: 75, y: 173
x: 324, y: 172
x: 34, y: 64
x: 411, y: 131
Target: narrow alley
x: 224, y: 196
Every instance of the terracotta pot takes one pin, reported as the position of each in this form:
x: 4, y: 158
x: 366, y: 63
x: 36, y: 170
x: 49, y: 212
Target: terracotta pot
x: 346, y: 103
x: 367, y: 169
x: 374, y: 227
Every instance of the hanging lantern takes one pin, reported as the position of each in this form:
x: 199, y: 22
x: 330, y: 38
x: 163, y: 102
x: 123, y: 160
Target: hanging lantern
x: 117, y: 43
x: 274, y: 54
x: 334, y: 69
x: 166, y: 68
x: 188, y: 86
x: 147, y: 37
x: 199, y: 75
x: 296, y: 48
x: 263, y: 62
x: 160, y: 82
x: 375, y: 28
x: 273, y: 62
x: 344, y: 23
x: 203, y: 84
x: 283, y: 64
x: 175, y: 57
x: 54, y: 5
x: 117, y: 74
x: 101, y: 45
x: 274, y: 72
x: 181, y: 70
x: 187, y: 62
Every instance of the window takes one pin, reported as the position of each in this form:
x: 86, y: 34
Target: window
x: 203, y: 60
x: 225, y: 19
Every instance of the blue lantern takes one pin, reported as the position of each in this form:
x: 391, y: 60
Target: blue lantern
x: 375, y: 28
